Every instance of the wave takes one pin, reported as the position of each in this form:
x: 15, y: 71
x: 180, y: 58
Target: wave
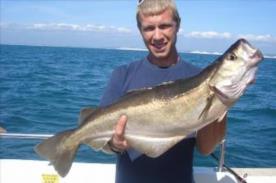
x: 267, y: 111
x: 269, y: 56
x: 205, y: 52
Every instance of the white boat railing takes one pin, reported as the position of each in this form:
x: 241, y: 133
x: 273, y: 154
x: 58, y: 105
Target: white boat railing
x: 25, y: 136
x: 222, y: 153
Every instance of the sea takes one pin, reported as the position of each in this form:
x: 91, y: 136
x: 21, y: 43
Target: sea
x: 42, y: 90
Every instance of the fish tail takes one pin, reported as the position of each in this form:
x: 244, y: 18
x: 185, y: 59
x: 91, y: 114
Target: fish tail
x: 57, y: 152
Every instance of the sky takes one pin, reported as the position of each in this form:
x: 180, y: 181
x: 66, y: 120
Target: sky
x: 207, y: 25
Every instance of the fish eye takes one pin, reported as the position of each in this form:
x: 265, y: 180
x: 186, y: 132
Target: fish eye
x: 232, y: 57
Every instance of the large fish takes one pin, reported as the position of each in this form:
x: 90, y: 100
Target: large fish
x: 161, y: 116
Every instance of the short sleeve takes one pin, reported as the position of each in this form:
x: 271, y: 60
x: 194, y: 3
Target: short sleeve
x: 114, y: 88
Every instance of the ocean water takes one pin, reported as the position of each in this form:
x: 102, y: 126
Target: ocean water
x: 42, y: 90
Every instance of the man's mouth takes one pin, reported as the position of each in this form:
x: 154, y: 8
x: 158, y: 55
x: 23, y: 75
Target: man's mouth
x: 159, y: 47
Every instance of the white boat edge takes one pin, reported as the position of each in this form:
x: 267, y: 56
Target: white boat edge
x: 36, y: 171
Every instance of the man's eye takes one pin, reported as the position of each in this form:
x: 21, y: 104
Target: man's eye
x: 149, y: 28
x: 232, y: 57
x: 165, y: 26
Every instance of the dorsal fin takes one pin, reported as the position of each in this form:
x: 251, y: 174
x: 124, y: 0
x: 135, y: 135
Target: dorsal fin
x: 149, y: 88
x: 141, y: 90
x: 130, y: 92
x: 85, y: 112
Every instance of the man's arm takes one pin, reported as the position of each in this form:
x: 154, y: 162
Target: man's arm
x: 211, y: 135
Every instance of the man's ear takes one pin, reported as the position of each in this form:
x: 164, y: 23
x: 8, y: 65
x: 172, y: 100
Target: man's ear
x: 178, y: 26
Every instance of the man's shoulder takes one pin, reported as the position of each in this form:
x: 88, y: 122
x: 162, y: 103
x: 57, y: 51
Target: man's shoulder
x: 129, y: 66
x: 190, y: 65
x: 189, y: 68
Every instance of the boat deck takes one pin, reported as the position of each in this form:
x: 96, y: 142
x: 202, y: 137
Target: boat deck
x: 34, y: 171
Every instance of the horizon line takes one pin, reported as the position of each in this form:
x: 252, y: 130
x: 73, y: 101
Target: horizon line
x: 266, y: 55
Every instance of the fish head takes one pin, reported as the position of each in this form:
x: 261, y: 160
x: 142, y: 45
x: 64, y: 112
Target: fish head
x: 236, y: 71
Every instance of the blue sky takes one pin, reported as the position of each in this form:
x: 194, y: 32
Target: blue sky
x: 207, y: 25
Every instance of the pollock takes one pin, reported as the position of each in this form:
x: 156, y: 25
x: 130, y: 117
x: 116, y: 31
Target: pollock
x: 161, y: 116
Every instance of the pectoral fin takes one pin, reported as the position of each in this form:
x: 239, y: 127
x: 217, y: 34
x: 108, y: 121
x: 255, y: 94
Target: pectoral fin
x: 209, y: 102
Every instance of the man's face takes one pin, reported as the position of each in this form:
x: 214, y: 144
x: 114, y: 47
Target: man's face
x: 159, y: 33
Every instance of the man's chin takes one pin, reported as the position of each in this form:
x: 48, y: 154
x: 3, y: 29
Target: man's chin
x: 160, y: 55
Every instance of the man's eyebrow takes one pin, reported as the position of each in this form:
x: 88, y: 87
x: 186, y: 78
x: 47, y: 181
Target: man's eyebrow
x: 161, y: 23
x: 166, y: 23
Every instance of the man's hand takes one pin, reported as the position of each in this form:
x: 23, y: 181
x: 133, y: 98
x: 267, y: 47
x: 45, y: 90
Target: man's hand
x: 118, y: 142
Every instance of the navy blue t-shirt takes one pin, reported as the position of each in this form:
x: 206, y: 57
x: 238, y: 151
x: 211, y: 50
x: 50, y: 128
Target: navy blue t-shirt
x: 174, y: 166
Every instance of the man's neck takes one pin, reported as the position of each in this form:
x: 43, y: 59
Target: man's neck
x: 165, y: 62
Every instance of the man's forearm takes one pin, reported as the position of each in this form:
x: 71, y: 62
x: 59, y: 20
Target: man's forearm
x: 209, y: 136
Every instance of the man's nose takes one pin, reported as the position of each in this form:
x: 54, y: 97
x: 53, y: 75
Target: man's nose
x: 157, y: 35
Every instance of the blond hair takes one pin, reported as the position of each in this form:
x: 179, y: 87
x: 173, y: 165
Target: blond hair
x: 156, y: 7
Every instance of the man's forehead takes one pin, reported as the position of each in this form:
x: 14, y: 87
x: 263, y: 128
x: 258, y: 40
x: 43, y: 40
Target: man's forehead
x: 159, y: 18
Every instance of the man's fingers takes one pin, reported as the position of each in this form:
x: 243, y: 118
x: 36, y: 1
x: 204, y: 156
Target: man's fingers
x: 120, y: 127
x: 118, y: 141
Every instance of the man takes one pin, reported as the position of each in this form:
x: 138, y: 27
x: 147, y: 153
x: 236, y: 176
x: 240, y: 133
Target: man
x: 158, y: 22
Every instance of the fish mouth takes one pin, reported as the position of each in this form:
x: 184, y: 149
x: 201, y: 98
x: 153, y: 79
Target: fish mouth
x: 256, y: 58
x: 252, y: 54
x: 229, y: 90
x: 257, y: 55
